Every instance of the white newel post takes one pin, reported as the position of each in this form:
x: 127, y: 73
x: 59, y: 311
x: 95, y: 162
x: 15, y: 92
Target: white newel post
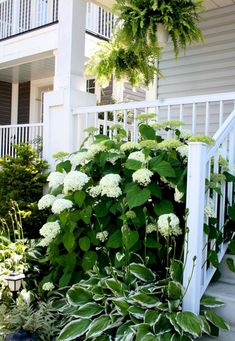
x: 195, y: 222
x: 69, y: 82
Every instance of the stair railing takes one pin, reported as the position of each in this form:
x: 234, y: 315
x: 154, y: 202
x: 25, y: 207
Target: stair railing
x: 203, y: 161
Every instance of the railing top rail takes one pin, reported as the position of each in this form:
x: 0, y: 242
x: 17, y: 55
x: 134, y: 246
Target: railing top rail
x: 221, y: 134
x: 21, y: 125
x: 160, y: 102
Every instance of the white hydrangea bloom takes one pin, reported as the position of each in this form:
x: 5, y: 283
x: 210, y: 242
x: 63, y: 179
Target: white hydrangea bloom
x: 142, y: 176
x: 49, y: 231
x: 151, y: 228
x: 55, y: 179
x: 129, y: 146
x: 185, y: 134
x: 94, y: 191
x: 61, y: 205
x: 46, y: 201
x: 183, y: 151
x: 168, y: 225
x: 94, y: 149
x: 111, y: 191
x: 114, y: 156
x: 75, y: 181
x: 178, y: 195
x: 210, y: 209
x: 139, y: 156
x: 48, y: 286
x: 167, y: 182
x: 77, y: 159
x: 110, y: 180
x: 102, y: 236
x: 109, y: 186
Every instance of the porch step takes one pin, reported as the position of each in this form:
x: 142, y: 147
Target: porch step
x: 227, y: 276
x: 224, y: 336
x: 226, y: 293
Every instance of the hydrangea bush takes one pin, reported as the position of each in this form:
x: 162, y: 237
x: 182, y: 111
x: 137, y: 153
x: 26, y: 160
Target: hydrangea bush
x: 117, y: 193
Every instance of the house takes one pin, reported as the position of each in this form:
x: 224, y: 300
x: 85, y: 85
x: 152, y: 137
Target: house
x: 43, y: 90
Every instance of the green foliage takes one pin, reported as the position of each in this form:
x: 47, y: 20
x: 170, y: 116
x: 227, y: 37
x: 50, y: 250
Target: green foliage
x: 21, y: 179
x: 133, y: 50
x: 133, y: 305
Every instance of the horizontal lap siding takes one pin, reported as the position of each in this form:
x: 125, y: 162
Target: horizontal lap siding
x: 107, y: 94
x: 133, y: 95
x: 5, y: 103
x: 204, y: 68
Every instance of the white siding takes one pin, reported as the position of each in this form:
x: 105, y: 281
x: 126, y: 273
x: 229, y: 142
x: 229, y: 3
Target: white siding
x: 204, y: 68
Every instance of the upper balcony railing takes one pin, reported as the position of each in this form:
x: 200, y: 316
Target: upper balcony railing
x: 18, y: 16
x: 99, y: 21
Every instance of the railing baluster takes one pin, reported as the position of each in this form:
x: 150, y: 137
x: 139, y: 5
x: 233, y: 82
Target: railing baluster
x: 221, y: 113
x: 207, y: 118
x: 194, y: 118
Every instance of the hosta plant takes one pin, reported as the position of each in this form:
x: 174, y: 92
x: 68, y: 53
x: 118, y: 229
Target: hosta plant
x: 133, y: 304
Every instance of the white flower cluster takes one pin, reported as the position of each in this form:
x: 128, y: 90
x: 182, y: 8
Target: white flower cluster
x: 210, y: 209
x: 49, y: 231
x: 94, y: 191
x: 48, y: 286
x: 151, y: 228
x: 178, y: 195
x: 109, y: 186
x: 129, y: 146
x: 167, y: 182
x: 102, y: 236
x: 94, y: 149
x: 183, y: 151
x: 168, y: 225
x: 114, y: 156
x: 185, y: 134
x: 77, y: 159
x: 142, y: 176
x: 46, y: 201
x: 55, y: 179
x: 75, y: 181
x: 61, y: 205
x: 139, y: 156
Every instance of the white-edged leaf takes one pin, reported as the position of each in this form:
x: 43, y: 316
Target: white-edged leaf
x: 216, y: 320
x: 190, y: 323
x: 73, y: 330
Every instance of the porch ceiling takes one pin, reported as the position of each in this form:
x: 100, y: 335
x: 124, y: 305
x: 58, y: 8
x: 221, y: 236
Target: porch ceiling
x: 37, y: 69
x: 209, y: 4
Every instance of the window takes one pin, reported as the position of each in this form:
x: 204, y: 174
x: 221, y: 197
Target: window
x: 90, y: 86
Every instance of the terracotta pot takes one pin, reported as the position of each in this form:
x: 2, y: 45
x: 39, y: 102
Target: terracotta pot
x: 162, y: 36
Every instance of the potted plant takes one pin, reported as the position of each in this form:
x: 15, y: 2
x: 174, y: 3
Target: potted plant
x: 142, y: 31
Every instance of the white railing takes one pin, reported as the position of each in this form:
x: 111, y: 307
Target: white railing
x: 17, y: 16
x: 202, y: 163
x: 20, y: 133
x: 201, y: 114
x: 99, y: 21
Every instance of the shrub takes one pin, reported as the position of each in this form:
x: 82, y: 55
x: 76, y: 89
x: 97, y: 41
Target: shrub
x: 22, y: 179
x: 114, y: 189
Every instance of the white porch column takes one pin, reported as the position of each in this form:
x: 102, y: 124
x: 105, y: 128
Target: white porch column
x: 69, y: 81
x: 14, y: 103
